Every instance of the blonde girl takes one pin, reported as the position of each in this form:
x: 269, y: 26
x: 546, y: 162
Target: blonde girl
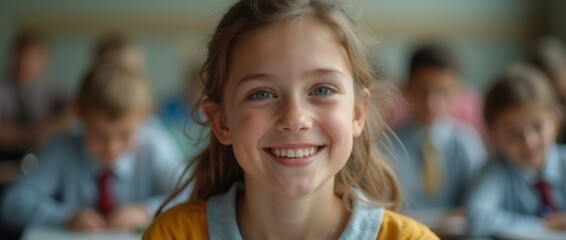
x: 295, y: 114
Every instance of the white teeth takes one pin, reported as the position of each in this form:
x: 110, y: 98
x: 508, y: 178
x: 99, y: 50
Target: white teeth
x: 292, y: 153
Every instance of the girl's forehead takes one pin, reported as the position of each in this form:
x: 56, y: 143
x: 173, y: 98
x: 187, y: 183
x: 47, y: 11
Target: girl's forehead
x: 308, y: 39
x: 284, y: 28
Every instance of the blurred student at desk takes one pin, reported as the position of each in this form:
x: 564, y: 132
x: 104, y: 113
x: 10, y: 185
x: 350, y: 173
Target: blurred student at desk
x: 523, y: 187
x: 437, y: 153
x: 113, y: 174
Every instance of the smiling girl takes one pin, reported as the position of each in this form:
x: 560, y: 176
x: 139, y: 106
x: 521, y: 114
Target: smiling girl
x: 296, y: 115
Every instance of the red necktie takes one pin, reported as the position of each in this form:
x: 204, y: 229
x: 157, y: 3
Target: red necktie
x: 105, y: 202
x: 546, y: 195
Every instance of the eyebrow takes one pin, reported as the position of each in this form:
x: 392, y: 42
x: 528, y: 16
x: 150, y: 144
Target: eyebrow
x: 314, y: 72
x: 325, y: 71
x: 253, y: 76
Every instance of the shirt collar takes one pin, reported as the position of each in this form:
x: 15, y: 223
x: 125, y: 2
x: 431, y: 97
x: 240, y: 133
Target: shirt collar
x: 364, y: 223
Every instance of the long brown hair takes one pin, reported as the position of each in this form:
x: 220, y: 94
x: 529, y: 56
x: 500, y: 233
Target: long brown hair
x: 215, y: 169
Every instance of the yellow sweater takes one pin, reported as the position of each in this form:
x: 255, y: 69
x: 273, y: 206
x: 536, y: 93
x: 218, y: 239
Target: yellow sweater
x: 188, y: 221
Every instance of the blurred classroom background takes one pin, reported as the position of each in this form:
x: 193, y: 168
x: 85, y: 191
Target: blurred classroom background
x: 486, y: 35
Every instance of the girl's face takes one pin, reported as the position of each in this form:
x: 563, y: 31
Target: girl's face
x: 289, y: 109
x: 525, y: 133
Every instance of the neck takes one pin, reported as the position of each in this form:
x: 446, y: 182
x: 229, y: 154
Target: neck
x: 263, y: 214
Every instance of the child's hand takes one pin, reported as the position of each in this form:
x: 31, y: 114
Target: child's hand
x: 129, y: 218
x: 87, y: 220
x: 555, y: 221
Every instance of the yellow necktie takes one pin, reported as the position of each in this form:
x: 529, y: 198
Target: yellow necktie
x: 432, y: 175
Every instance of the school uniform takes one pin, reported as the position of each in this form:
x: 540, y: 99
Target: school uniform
x: 217, y: 219
x: 505, y: 195
x: 68, y: 176
x: 459, y: 153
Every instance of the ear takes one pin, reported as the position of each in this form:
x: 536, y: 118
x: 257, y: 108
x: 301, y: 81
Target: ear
x: 217, y: 122
x: 360, y: 112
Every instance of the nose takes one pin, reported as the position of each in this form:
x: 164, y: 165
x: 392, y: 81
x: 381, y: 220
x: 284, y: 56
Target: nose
x: 294, y: 116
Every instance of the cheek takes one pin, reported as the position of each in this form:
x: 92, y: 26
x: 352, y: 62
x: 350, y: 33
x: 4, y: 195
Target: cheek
x: 337, y: 122
x: 249, y: 122
x: 337, y: 125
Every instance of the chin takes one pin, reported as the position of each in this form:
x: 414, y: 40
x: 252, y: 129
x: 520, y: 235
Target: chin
x: 299, y: 188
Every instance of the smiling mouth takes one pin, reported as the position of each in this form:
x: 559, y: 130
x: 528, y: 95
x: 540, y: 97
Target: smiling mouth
x: 294, y: 152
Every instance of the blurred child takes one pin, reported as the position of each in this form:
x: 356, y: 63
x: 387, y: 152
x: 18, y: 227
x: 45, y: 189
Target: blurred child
x: 438, y: 153
x: 30, y: 108
x: 549, y: 55
x: 113, y: 174
x: 118, y: 48
x: 523, y: 186
x: 286, y: 92
x: 466, y: 103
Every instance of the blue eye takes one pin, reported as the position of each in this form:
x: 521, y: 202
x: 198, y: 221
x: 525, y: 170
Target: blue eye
x: 259, y: 95
x: 322, y: 91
